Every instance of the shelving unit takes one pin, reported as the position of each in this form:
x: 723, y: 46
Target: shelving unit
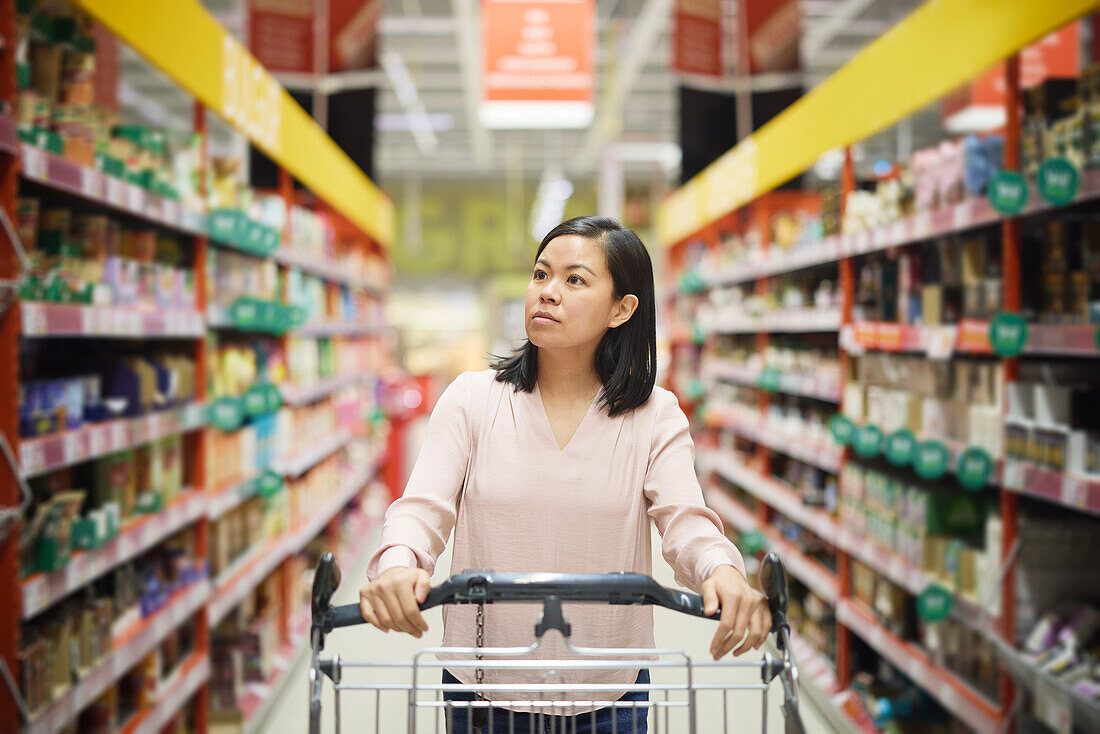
x: 734, y: 196
x: 310, y: 157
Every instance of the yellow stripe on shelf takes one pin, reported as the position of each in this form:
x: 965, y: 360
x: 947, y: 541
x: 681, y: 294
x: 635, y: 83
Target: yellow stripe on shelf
x: 183, y: 40
x: 940, y: 46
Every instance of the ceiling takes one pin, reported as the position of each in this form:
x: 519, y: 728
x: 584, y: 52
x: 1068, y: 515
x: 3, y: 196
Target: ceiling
x: 435, y: 42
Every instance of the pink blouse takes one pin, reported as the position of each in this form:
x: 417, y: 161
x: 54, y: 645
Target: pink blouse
x: 490, y: 468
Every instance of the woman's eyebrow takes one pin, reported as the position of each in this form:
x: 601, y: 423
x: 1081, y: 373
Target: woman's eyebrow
x: 575, y: 266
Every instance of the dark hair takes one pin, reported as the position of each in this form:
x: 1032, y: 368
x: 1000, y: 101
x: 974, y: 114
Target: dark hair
x: 626, y: 359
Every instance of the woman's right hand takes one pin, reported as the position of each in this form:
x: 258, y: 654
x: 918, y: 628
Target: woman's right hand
x: 392, y: 601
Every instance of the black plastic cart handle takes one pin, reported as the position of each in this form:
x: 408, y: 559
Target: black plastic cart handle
x: 488, y: 587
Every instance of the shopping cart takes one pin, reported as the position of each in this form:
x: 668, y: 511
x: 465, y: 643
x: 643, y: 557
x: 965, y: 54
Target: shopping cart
x: 673, y: 705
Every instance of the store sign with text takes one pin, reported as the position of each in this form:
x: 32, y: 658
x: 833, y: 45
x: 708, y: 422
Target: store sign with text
x: 1056, y: 55
x: 774, y: 30
x: 281, y: 33
x: 538, y: 64
x: 697, y: 37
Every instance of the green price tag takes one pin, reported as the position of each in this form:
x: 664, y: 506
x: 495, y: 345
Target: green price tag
x: 868, y: 441
x: 934, y: 603
x: 246, y: 313
x: 255, y: 400
x: 696, y: 389
x: 975, y: 466
x: 222, y: 225
x: 691, y: 282
x: 930, y: 461
x: 1058, y: 181
x: 1008, y: 193
x: 273, y: 398
x: 1008, y: 334
x: 269, y: 484
x: 270, y: 240
x: 753, y: 541
x: 296, y: 316
x: 843, y: 429
x: 900, y: 447
x: 770, y: 379
x: 254, y: 237
x: 698, y: 336
x: 226, y: 413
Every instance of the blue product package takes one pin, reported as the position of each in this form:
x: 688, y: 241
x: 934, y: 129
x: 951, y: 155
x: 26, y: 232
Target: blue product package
x: 72, y: 399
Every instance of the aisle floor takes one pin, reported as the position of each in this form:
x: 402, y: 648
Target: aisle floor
x: 290, y: 713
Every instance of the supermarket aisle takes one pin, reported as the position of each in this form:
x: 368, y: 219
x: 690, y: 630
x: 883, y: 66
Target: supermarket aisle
x: 362, y: 643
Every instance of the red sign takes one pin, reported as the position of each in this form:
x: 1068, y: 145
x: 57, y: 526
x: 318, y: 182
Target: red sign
x: 697, y: 37
x: 774, y: 28
x: 1057, y: 55
x: 538, y: 63
x: 281, y: 33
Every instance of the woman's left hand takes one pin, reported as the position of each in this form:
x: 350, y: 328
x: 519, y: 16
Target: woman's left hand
x: 744, y: 609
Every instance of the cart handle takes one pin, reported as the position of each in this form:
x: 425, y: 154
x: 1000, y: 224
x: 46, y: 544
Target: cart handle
x: 475, y: 587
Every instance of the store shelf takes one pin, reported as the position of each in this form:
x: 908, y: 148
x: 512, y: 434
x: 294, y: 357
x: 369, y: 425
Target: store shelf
x: 956, y: 696
x: 969, y: 337
x: 909, y: 577
x: 42, y: 320
x: 327, y: 270
x: 777, y: 495
x: 113, y: 193
x: 301, y: 395
x: 59, y: 450
x: 257, y: 699
x: 817, y: 577
x: 306, y: 459
x: 792, y: 320
x: 42, y: 590
x: 966, y: 215
x: 236, y: 582
x: 173, y: 694
x: 225, y: 499
x: 1069, y: 490
x: 130, y: 647
x: 338, y: 328
x: 798, y: 445
x: 790, y: 383
x: 1075, y: 710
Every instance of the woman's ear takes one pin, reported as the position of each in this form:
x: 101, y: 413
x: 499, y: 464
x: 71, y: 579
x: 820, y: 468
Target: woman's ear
x: 626, y: 307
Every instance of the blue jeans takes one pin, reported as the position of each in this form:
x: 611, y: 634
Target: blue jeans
x: 502, y: 721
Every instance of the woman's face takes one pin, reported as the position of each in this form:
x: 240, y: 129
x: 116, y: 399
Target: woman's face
x: 571, y: 297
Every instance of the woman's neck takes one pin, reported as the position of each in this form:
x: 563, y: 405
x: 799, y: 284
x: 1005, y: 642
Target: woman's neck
x: 568, y: 376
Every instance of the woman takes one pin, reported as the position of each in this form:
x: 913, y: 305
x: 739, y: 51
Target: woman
x: 554, y: 461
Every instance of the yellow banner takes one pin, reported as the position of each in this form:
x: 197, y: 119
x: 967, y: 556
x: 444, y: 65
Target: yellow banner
x: 940, y: 46
x: 184, y: 41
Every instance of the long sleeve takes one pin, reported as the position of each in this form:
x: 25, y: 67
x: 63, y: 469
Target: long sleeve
x: 692, y: 538
x: 417, y: 525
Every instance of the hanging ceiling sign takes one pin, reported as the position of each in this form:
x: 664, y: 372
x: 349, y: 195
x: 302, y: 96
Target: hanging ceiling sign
x: 697, y: 37
x: 281, y: 34
x: 774, y: 30
x: 538, y: 64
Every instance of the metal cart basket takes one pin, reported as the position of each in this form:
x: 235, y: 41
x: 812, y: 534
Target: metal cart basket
x: 551, y: 705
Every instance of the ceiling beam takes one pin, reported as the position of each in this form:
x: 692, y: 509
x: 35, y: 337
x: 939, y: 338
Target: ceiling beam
x: 469, y: 63
x: 650, y: 22
x: 831, y: 25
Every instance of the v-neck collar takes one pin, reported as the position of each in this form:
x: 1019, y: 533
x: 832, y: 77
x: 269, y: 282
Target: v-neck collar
x: 541, y: 408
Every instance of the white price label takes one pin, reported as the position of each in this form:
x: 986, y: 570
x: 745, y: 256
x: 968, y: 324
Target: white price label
x: 35, y: 163
x: 1013, y: 474
x: 135, y: 199
x: 116, y: 192
x: 34, y: 319
x: 91, y: 184
x: 960, y: 215
x: 72, y: 447
x: 34, y: 595
x: 119, y: 435
x: 1052, y: 706
x: 1075, y: 492
x: 32, y: 456
x: 898, y: 232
